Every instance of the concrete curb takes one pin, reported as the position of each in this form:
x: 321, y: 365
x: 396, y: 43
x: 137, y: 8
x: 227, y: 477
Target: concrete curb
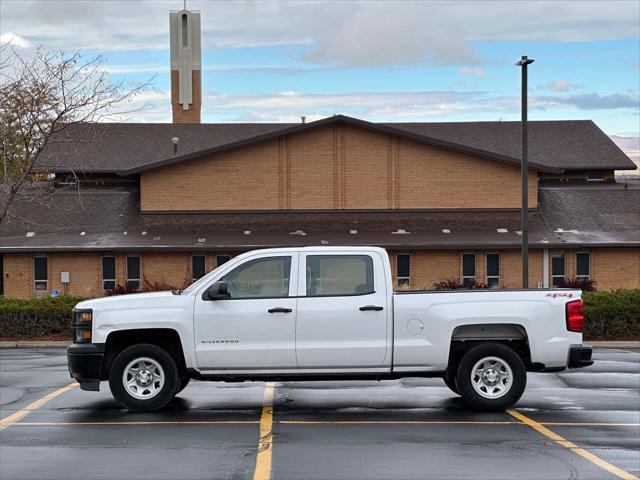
x: 613, y: 343
x: 35, y: 344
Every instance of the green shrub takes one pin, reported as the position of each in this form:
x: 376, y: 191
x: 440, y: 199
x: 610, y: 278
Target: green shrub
x: 36, y: 317
x: 612, y: 315
x: 608, y: 315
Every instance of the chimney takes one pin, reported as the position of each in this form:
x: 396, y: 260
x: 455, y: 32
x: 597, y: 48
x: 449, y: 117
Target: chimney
x: 186, y: 84
x: 303, y: 118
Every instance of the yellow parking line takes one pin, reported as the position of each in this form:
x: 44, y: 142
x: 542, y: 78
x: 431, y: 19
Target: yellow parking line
x: 263, y: 459
x: 134, y: 422
x: 618, y: 472
x: 589, y: 424
x: 393, y: 422
x: 20, y: 414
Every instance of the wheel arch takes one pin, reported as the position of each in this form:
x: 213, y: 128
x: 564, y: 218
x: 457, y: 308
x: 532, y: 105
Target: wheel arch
x: 513, y: 335
x: 166, y: 338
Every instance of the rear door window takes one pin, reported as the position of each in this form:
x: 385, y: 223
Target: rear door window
x: 338, y: 275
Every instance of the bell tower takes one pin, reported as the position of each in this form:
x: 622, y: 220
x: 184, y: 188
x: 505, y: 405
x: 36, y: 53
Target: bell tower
x: 186, y: 84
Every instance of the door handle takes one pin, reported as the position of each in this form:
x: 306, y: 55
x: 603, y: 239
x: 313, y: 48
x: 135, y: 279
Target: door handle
x: 279, y: 310
x: 365, y: 308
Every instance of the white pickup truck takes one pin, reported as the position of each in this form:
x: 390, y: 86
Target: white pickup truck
x: 323, y: 313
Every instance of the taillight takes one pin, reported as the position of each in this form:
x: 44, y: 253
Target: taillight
x: 575, y: 316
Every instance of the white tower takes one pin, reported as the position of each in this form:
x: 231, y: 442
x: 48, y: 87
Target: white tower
x: 186, y: 86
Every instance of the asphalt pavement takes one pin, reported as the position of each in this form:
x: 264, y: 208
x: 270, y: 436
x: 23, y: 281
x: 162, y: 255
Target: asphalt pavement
x: 580, y: 424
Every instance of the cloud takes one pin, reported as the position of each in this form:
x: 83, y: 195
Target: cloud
x: 326, y: 32
x: 560, y: 86
x: 595, y: 101
x: 15, y: 40
x: 473, y: 71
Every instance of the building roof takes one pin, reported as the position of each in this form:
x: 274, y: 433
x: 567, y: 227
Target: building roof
x: 109, y: 220
x: 126, y: 148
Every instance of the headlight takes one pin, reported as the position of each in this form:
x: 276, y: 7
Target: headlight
x: 82, y: 321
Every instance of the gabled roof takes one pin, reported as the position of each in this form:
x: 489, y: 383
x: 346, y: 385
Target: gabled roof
x: 126, y: 148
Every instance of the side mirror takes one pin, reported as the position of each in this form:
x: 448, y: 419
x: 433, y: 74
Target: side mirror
x: 217, y: 291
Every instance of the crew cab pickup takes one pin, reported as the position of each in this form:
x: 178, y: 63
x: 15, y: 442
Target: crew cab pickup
x: 323, y: 313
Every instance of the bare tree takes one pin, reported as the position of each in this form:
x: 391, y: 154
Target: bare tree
x: 40, y: 96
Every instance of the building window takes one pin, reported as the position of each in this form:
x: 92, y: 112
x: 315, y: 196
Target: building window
x: 133, y: 272
x: 557, y: 268
x: 583, y: 264
x: 493, y: 270
x: 468, y: 269
x: 403, y: 269
x: 40, y: 273
x: 222, y: 259
x: 595, y: 175
x: 338, y: 275
x: 108, y: 273
x: 197, y: 267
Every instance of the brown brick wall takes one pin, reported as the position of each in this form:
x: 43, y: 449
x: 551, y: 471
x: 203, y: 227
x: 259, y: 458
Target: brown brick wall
x: 610, y: 268
x: 192, y: 115
x: 18, y: 275
x: 171, y: 269
x: 238, y: 179
x: 616, y: 268
x: 84, y: 273
x: 334, y: 167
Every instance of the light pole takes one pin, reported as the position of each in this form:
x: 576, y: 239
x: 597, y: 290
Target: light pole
x: 524, y: 175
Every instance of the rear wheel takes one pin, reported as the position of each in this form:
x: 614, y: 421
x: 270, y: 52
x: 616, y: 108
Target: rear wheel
x: 491, y: 377
x: 450, y: 381
x: 143, y: 377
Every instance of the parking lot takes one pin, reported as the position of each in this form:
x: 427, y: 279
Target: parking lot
x: 580, y: 424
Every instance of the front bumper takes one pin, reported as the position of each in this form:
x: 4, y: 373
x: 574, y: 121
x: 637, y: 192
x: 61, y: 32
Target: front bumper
x: 85, y: 364
x: 580, y: 356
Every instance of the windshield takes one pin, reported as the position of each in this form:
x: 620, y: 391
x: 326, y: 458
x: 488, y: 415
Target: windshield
x: 201, y: 281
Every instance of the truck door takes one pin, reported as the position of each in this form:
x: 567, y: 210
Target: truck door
x: 255, y: 328
x: 343, y: 318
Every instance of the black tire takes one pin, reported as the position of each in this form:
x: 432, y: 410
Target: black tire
x: 182, y: 384
x: 450, y: 381
x: 166, y: 392
x: 465, y: 384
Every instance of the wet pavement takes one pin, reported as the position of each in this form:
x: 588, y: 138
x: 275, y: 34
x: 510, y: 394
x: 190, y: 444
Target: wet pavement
x: 406, y: 429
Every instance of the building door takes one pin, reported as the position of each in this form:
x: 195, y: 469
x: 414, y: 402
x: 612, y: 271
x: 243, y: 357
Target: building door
x: 254, y: 329
x: 344, y: 315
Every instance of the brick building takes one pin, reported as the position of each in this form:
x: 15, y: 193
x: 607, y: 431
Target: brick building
x: 165, y: 203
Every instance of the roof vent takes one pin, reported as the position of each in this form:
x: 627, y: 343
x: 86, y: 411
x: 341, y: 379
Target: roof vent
x: 400, y: 231
x: 518, y: 232
x: 353, y: 232
x: 144, y: 233
x: 82, y: 234
x: 30, y: 234
x: 303, y: 118
x: 324, y: 242
x: 174, y: 141
x: 502, y: 230
x: 298, y: 232
x: 158, y: 237
x: 446, y: 230
x: 125, y: 232
x: 202, y: 240
x: 247, y: 232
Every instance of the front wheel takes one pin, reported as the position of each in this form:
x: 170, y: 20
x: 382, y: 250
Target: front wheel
x: 491, y: 377
x: 143, y: 377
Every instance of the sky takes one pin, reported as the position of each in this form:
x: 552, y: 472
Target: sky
x: 273, y: 61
